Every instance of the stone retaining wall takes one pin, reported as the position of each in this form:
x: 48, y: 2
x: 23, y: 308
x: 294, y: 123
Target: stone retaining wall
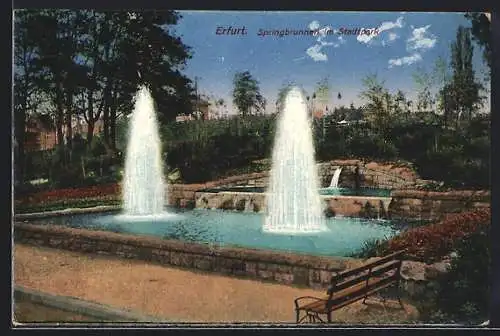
x: 372, y: 174
x: 285, y: 268
x: 429, y: 205
x: 353, y: 206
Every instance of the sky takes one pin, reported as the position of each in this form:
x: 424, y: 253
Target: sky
x: 394, y: 46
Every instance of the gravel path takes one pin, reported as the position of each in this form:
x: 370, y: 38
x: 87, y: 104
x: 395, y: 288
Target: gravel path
x: 175, y: 294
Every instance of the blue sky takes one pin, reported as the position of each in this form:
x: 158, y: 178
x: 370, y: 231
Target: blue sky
x: 405, y: 42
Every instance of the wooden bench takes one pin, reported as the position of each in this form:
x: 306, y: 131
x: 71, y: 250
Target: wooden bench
x: 350, y: 286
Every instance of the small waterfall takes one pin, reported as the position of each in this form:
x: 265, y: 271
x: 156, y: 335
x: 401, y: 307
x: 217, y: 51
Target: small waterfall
x: 335, y: 179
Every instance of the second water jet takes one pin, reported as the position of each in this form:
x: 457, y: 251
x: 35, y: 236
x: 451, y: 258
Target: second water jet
x: 294, y: 204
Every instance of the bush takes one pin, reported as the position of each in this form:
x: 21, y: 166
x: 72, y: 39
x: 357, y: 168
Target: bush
x: 463, y: 294
x: 372, y: 248
x: 431, y: 242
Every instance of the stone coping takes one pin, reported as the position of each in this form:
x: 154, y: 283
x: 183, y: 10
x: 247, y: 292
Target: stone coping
x: 249, y: 193
x: 333, y: 264
x: 79, y: 306
x: 448, y: 195
x: 66, y: 212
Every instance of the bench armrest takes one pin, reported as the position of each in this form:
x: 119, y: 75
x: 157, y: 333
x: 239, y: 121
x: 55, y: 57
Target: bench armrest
x: 296, y: 301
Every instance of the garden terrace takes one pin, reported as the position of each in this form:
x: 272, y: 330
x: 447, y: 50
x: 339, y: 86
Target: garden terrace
x: 285, y: 268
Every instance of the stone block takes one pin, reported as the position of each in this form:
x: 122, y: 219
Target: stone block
x: 251, y: 268
x: 300, y: 276
x: 180, y: 259
x: 284, y: 278
x: 203, y: 263
x: 266, y: 275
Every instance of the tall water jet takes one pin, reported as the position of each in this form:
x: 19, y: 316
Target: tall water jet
x: 334, y: 183
x: 293, y: 203
x: 143, y: 185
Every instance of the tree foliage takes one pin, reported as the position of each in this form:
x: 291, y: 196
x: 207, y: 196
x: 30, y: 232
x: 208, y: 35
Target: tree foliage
x: 481, y: 33
x: 461, y: 95
x: 246, y: 94
x: 88, y: 64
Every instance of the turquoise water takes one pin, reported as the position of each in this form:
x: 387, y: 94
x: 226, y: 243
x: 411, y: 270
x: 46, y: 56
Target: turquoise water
x: 231, y: 228
x: 370, y: 192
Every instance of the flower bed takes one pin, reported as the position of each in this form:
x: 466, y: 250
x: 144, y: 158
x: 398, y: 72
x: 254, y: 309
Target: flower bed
x: 70, y: 193
x: 107, y: 194
x: 429, y: 243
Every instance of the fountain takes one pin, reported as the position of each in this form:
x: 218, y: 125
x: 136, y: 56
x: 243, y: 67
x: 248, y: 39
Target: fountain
x: 143, y: 184
x: 334, y: 183
x: 294, y: 204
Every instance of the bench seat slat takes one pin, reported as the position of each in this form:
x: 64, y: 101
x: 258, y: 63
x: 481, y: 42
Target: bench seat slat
x: 376, y: 272
x: 352, y: 285
x: 346, y: 274
x: 338, y: 297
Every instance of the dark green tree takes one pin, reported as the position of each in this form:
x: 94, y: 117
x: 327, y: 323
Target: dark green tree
x: 464, y: 89
x: 481, y: 33
x: 246, y: 94
x: 26, y: 98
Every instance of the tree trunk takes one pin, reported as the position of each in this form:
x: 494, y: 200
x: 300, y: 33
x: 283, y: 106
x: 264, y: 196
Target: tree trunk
x: 19, y: 137
x: 60, y: 134
x: 69, y: 126
x: 91, y: 118
x: 69, y: 136
x: 112, y: 130
x: 90, y: 132
x: 107, y: 126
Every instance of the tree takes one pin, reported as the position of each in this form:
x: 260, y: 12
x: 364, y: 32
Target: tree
x: 55, y: 40
x: 282, y: 92
x: 481, y: 33
x: 464, y: 89
x: 26, y: 98
x: 425, y: 82
x: 246, y: 94
x: 90, y: 63
x: 378, y: 101
x: 441, y: 79
x: 323, y: 91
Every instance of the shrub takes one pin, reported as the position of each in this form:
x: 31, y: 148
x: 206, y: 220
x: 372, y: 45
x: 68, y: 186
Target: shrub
x: 434, y: 241
x: 372, y: 248
x: 463, y: 294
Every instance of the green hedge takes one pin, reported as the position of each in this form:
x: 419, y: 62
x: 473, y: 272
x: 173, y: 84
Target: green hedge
x: 205, y: 150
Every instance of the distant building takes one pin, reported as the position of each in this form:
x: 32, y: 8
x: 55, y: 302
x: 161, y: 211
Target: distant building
x: 201, y: 106
x: 41, y: 133
x: 318, y: 114
x: 183, y: 117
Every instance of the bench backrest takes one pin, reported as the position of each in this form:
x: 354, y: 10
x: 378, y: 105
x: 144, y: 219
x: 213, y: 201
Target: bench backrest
x: 379, y: 268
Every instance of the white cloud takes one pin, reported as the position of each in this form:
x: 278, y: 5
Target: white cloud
x: 406, y: 60
x: 315, y: 53
x: 384, y: 26
x: 392, y: 36
x: 365, y: 38
x: 387, y: 25
x: 421, y: 39
x: 314, y: 25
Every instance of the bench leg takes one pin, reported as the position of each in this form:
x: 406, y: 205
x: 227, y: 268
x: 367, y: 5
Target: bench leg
x: 297, y: 315
x: 329, y: 317
x: 399, y: 295
x: 400, y: 302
